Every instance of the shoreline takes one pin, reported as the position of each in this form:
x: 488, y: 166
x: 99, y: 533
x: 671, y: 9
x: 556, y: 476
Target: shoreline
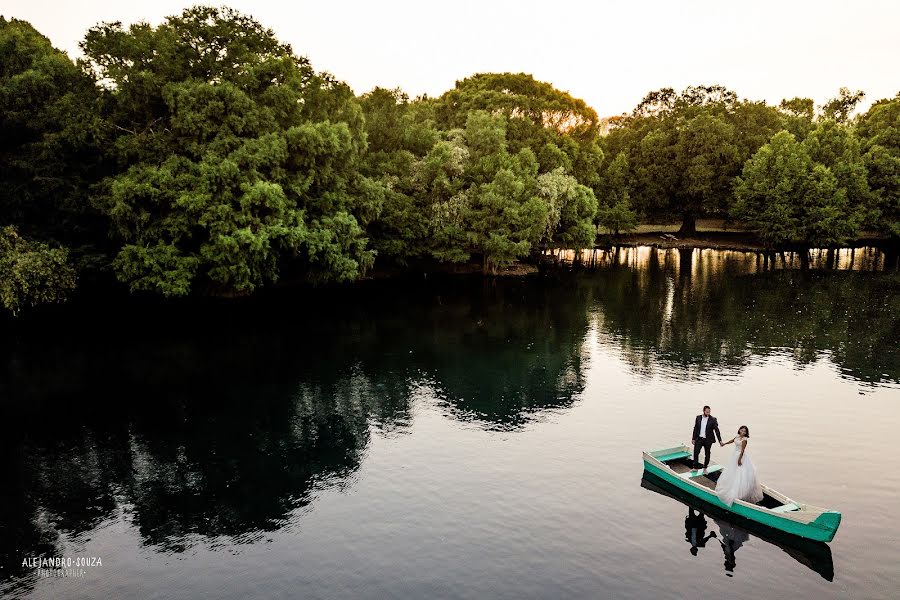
x: 737, y: 241
x: 722, y: 240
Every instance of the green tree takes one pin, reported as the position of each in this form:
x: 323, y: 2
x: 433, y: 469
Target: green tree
x: 400, y: 133
x: 32, y: 273
x: 837, y: 147
x: 615, y: 212
x: 561, y: 130
x: 498, y: 207
x: 571, y: 207
x: 706, y: 160
x: 236, y: 160
x: 48, y: 147
x: 684, y: 150
x: 841, y: 107
x: 879, y: 132
x: 790, y: 199
x: 798, y: 115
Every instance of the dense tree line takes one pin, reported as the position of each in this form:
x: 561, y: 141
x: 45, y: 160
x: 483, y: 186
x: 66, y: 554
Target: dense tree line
x: 204, y: 156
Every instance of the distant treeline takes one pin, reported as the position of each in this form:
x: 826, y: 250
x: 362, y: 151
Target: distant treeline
x: 204, y: 156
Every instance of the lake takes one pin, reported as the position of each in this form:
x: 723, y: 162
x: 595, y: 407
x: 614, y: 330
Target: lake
x: 454, y: 437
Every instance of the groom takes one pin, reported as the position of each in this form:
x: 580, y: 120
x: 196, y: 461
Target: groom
x: 704, y: 427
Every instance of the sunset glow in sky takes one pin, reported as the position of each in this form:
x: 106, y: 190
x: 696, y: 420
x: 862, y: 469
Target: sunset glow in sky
x: 609, y: 53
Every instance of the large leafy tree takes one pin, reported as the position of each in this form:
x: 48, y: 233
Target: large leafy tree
x: 48, y: 147
x: 561, y: 130
x: 615, y: 212
x: 236, y: 160
x: 471, y: 191
x: 400, y: 132
x: 788, y: 198
x: 571, y: 208
x: 879, y: 132
x: 485, y: 199
x: 683, y: 151
x: 836, y: 146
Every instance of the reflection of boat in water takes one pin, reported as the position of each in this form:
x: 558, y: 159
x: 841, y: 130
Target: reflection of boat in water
x: 735, y: 530
x: 775, y: 510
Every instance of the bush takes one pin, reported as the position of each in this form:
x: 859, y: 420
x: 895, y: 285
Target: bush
x: 32, y: 273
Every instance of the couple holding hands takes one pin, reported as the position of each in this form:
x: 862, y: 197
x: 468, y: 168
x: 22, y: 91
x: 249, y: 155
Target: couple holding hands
x: 738, y: 479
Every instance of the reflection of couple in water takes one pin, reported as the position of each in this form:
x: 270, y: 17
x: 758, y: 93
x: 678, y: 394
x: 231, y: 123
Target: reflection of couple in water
x: 731, y: 539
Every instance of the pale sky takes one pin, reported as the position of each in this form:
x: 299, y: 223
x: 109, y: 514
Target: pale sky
x: 608, y: 53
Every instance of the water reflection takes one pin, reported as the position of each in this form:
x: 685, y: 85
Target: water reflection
x: 215, y: 425
x: 735, y: 531
x: 724, y: 313
x: 695, y: 525
x: 689, y: 260
x: 214, y: 428
x: 731, y: 539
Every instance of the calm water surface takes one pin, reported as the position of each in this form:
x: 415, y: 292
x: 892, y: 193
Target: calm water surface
x: 455, y: 439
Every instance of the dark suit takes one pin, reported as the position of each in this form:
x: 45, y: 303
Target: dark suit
x: 704, y: 440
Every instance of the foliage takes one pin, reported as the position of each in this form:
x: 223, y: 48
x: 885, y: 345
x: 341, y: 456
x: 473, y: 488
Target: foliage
x: 837, y: 147
x: 615, y: 212
x: 237, y: 160
x: 840, y: 107
x: 476, y: 189
x: 559, y: 129
x: 798, y: 115
x: 399, y: 134
x: 48, y: 149
x: 485, y: 199
x: 32, y: 273
x: 791, y: 199
x: 684, y: 150
x: 203, y: 156
x: 879, y: 132
x: 571, y: 209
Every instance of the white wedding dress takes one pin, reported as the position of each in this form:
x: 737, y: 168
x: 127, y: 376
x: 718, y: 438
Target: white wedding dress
x: 738, y: 482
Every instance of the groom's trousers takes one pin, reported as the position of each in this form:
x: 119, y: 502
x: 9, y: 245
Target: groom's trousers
x: 706, y: 444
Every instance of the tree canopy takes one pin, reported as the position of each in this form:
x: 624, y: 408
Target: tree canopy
x: 48, y: 146
x: 879, y: 132
x: 204, y: 156
x: 789, y: 198
x: 236, y: 160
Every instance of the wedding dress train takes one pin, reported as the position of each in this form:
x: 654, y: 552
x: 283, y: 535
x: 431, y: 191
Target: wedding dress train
x: 739, y: 482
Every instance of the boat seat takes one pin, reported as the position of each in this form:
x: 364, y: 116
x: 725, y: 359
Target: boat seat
x: 699, y: 472
x: 672, y: 456
x: 790, y: 506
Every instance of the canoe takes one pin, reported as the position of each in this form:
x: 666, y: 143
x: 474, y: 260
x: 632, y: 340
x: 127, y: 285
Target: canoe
x: 775, y: 510
x: 811, y: 554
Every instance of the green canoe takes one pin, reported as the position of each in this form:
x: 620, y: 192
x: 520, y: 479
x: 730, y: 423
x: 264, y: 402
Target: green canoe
x: 775, y: 510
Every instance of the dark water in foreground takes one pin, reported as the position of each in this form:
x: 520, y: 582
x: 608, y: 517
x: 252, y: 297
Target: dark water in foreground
x: 455, y: 439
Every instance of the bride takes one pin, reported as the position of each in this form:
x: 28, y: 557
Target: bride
x: 738, y: 480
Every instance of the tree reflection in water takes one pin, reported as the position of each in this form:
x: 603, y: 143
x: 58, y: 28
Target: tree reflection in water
x: 218, y: 422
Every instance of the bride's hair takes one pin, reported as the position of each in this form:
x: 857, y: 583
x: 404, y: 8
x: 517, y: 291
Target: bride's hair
x: 744, y: 427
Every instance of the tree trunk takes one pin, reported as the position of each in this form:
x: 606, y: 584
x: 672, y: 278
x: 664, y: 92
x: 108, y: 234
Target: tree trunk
x: 688, y: 224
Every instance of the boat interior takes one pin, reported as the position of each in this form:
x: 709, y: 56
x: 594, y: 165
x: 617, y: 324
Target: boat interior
x: 682, y: 462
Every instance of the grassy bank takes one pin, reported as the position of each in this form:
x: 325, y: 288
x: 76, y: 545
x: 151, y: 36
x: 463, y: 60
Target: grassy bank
x: 711, y: 233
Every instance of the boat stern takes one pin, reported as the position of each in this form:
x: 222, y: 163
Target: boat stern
x: 828, y: 521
